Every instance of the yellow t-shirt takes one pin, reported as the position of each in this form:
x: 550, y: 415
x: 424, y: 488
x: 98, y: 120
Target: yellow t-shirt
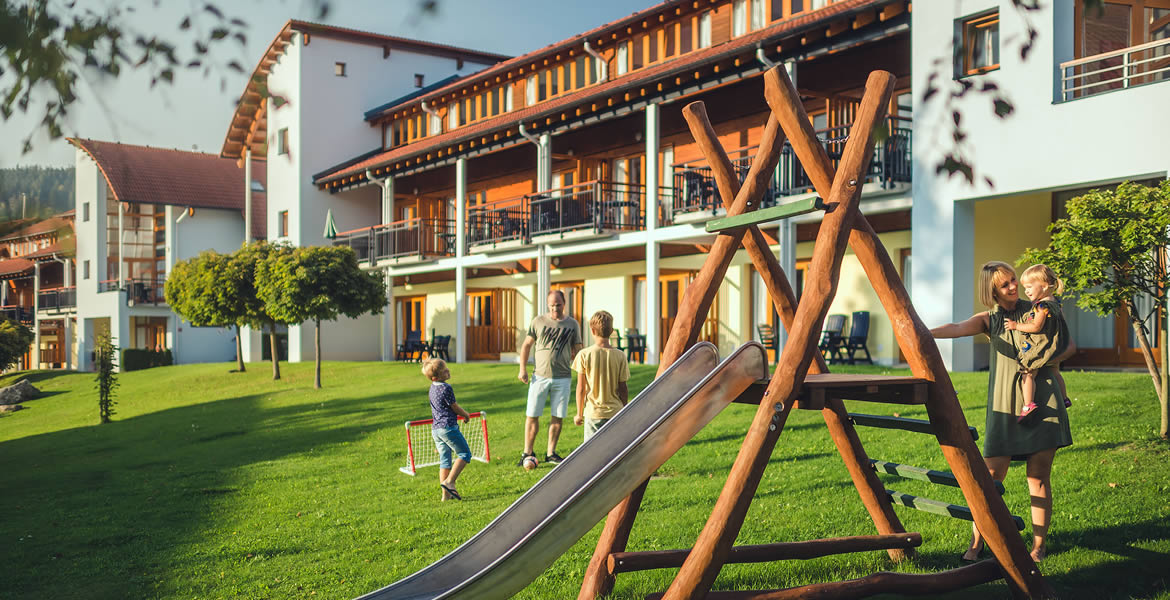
x: 603, y: 369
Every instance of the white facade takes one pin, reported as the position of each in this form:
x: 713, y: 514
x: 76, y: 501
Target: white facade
x: 1046, y: 145
x: 186, y: 236
x: 321, y: 112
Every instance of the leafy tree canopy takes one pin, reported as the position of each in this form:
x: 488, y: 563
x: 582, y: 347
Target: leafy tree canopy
x: 319, y: 283
x: 14, y: 342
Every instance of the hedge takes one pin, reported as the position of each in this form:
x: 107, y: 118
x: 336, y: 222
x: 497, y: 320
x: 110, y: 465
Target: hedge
x: 134, y: 359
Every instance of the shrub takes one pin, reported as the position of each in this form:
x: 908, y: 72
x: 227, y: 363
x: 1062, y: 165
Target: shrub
x: 134, y: 359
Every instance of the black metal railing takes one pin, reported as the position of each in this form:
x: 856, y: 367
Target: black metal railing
x: 695, y: 189
x: 17, y: 314
x: 57, y: 298
x: 424, y: 238
x: 139, y: 290
x: 597, y: 205
x: 502, y: 221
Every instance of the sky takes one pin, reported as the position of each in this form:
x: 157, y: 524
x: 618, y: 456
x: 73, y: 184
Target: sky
x: 193, y: 113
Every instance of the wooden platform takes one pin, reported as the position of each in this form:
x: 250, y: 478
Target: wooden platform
x: 888, y: 389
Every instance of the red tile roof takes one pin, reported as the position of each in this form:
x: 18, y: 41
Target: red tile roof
x: 55, y: 249
x: 146, y: 175
x: 584, y: 96
x: 14, y: 266
x: 53, y: 223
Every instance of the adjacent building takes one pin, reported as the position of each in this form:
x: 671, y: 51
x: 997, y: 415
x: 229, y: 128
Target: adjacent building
x: 37, y: 269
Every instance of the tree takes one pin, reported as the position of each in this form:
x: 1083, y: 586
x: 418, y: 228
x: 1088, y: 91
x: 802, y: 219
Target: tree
x: 248, y: 261
x: 14, y: 342
x: 319, y: 283
x: 208, y: 290
x: 105, y: 353
x: 1110, y: 251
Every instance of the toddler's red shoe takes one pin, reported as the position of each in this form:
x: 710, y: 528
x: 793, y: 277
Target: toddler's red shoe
x: 1028, y: 414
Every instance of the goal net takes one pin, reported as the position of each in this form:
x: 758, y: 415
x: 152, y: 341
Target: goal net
x: 420, y: 446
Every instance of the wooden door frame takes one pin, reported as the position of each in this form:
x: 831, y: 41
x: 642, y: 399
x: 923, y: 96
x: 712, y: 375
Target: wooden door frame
x: 399, y: 310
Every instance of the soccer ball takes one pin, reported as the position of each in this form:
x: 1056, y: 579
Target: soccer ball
x: 530, y: 463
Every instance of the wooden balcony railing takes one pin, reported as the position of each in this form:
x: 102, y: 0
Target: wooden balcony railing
x: 57, y: 298
x: 597, y: 205
x: 695, y: 189
x: 424, y: 238
x: 1118, y: 69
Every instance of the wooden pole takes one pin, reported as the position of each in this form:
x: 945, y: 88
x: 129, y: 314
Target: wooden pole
x: 869, y: 487
x: 695, y: 304
x: 695, y: 577
x: 990, y: 513
x: 622, y: 562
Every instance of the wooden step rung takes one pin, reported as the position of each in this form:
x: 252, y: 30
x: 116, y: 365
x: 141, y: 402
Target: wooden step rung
x: 820, y: 387
x: 883, y: 582
x: 623, y: 562
x: 939, y: 507
x: 766, y: 215
x: 903, y: 423
x: 920, y: 473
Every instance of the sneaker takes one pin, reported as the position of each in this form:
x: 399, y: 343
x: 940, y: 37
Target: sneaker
x: 524, y: 456
x: 553, y: 458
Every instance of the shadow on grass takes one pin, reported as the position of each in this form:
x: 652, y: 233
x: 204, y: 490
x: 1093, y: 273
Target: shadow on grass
x: 112, y: 502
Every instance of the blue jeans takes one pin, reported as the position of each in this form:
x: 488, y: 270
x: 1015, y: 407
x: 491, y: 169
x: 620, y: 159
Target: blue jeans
x: 448, y: 440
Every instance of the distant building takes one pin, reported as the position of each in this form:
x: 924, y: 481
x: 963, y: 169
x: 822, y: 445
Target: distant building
x: 140, y: 210
x: 36, y: 288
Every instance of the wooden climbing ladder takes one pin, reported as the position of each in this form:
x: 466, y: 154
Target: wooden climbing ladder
x: 802, y: 379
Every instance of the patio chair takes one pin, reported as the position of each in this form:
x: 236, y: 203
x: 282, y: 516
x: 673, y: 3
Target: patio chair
x: 411, y: 348
x: 635, y: 345
x: 832, y: 343
x: 858, y: 335
x: 439, y: 347
x: 769, y: 339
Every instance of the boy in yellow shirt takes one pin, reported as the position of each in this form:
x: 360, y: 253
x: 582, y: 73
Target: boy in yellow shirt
x: 602, y: 372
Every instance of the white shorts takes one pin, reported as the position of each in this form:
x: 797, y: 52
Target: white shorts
x: 542, y: 389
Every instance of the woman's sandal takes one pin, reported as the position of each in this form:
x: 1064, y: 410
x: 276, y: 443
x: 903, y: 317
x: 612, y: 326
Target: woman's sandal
x: 1030, y: 411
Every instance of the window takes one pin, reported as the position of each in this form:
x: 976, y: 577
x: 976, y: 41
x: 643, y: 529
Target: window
x: 705, y: 30
x: 85, y: 270
x: 530, y: 91
x: 623, y: 58
x: 757, y: 16
x: 436, y: 123
x: 637, y: 52
x: 685, y: 37
x: 980, y: 44
x: 418, y: 80
x: 452, y: 116
x: 339, y: 69
x: 283, y: 225
x: 668, y: 41
x: 85, y: 211
x: 282, y: 141
x: 508, y: 99
x: 738, y: 18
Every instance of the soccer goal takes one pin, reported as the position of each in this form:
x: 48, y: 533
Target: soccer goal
x: 420, y: 446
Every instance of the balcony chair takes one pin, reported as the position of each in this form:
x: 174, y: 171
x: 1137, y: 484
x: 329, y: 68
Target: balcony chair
x: 635, y: 345
x: 858, y: 335
x: 769, y: 339
x: 832, y: 343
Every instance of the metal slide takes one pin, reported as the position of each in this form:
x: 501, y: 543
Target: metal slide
x: 549, y: 518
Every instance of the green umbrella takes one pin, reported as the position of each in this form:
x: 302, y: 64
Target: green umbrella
x: 330, y: 227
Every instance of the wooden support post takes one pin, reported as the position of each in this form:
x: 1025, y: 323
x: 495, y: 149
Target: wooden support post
x: 695, y: 577
x: 691, y: 315
x: 990, y: 513
x: 869, y: 487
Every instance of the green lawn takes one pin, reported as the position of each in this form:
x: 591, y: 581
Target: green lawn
x: 210, y: 484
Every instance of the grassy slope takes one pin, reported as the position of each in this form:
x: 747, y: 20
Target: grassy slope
x: 211, y: 484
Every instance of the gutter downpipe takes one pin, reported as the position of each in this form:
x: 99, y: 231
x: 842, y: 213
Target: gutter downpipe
x: 543, y: 266
x: 388, y: 329
x: 433, y: 112
x: 763, y: 58
x: 601, y: 61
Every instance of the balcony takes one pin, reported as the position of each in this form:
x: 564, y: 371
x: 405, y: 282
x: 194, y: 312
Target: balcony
x: 139, y: 290
x: 17, y: 314
x: 589, y: 209
x: 696, y: 197
x: 497, y: 225
x: 1115, y: 70
x: 410, y: 240
x: 57, y: 299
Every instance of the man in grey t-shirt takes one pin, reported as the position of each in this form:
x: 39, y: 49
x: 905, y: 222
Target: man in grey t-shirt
x: 557, y: 338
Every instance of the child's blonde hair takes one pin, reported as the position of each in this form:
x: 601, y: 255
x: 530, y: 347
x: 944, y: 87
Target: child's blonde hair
x: 1043, y: 273
x: 991, y: 276
x: 601, y: 324
x: 434, y: 367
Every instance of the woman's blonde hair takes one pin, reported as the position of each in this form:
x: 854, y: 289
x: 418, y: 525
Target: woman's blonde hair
x: 1043, y: 273
x: 433, y: 367
x: 601, y: 324
x: 991, y: 276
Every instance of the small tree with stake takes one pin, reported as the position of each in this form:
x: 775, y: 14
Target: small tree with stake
x: 208, y: 290
x: 1110, y: 251
x: 105, y: 352
x: 319, y: 283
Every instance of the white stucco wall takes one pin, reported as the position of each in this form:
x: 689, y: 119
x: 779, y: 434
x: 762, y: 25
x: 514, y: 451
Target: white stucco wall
x: 1044, y: 145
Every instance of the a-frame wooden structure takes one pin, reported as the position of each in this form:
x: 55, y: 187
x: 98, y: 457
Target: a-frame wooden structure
x: 802, y: 380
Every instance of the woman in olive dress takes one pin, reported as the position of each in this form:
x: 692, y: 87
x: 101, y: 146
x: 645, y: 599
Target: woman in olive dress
x: 1004, y: 438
